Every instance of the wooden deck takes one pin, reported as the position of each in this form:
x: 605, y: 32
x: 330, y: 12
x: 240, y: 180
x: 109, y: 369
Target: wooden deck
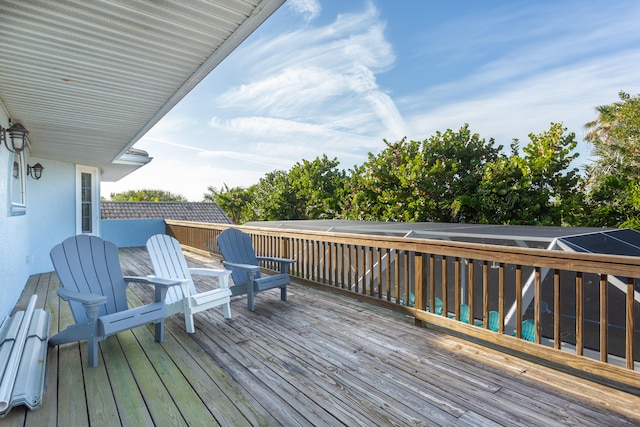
x: 317, y: 359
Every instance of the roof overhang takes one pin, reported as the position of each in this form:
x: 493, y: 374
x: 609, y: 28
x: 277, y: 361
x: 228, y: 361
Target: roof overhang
x: 89, y: 79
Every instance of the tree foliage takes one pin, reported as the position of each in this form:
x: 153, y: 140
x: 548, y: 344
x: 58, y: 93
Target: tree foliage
x: 538, y: 188
x: 147, y: 196
x: 430, y: 180
x: 235, y: 202
x: 310, y: 190
x: 612, y: 185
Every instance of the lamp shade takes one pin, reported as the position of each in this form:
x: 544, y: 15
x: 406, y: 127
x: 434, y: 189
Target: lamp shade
x: 35, y: 171
x: 18, y: 135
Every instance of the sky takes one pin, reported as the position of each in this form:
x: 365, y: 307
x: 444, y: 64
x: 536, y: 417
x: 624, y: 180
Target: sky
x: 337, y: 78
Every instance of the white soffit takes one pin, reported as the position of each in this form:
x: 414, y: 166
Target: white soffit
x: 88, y: 79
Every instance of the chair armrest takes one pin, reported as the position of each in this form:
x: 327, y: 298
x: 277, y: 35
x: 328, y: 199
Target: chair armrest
x: 157, y: 281
x: 90, y: 302
x: 221, y: 274
x: 248, y: 267
x: 83, y: 298
x: 216, y: 272
x: 284, y: 262
x: 161, y: 285
x: 276, y: 259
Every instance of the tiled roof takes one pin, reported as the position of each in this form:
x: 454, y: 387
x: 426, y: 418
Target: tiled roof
x: 182, y: 211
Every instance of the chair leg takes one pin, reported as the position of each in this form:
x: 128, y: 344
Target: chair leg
x: 160, y: 331
x: 190, y: 326
x: 92, y: 347
x: 283, y: 293
x: 226, y: 309
x: 250, y: 296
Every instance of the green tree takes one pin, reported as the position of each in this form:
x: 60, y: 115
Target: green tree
x: 612, y: 183
x: 539, y: 188
x: 433, y: 180
x: 235, y: 202
x: 309, y: 190
x: 147, y: 196
x: 318, y: 186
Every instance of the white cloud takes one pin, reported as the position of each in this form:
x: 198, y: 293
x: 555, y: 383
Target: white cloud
x: 309, y: 9
x: 513, y: 110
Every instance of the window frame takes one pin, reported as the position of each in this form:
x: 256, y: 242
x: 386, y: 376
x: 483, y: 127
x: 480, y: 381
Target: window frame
x: 95, y: 200
x: 17, y: 184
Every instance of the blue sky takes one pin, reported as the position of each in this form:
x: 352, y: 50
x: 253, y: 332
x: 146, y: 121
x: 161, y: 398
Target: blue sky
x: 337, y: 77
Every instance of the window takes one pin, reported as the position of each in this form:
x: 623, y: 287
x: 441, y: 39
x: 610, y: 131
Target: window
x: 17, y: 184
x: 87, y: 200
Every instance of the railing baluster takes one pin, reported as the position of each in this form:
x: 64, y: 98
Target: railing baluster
x: 501, y: 303
x: 537, y: 300
x: 518, y: 295
x: 380, y: 282
x: 579, y: 314
x: 341, y: 263
x: 396, y: 276
x: 372, y: 287
x: 419, y: 285
x: 456, y: 287
x: 471, y: 290
x: 350, y: 265
x: 557, y: 310
x: 485, y: 294
x: 604, y: 319
x: 407, y: 277
x: 387, y: 274
x: 335, y: 278
x: 432, y: 283
x: 445, y: 296
x: 630, y: 323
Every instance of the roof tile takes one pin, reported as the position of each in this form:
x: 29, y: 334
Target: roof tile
x: 181, y: 211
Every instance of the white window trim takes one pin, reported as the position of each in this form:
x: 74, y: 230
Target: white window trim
x: 15, y: 207
x: 95, y: 199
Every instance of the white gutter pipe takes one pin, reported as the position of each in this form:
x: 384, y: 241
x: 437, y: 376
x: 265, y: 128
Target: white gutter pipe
x: 11, y: 371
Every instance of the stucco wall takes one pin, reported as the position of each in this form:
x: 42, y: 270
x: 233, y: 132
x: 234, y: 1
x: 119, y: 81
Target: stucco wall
x: 25, y: 240
x: 14, y: 238
x: 126, y: 233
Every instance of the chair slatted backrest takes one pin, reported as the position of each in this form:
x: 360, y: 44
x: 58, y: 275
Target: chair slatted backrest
x: 168, y: 262
x: 494, y: 321
x: 89, y: 264
x: 236, y: 247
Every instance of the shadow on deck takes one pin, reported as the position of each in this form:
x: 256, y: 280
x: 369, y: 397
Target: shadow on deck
x: 317, y: 359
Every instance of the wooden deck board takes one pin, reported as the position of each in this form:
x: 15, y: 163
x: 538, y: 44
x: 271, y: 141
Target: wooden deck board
x: 316, y: 359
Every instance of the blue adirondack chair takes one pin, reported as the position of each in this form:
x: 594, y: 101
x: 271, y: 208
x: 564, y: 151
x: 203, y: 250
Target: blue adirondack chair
x: 240, y: 258
x: 92, y: 282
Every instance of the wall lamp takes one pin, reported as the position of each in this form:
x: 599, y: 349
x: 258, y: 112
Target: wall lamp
x: 18, y: 135
x: 35, y: 171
